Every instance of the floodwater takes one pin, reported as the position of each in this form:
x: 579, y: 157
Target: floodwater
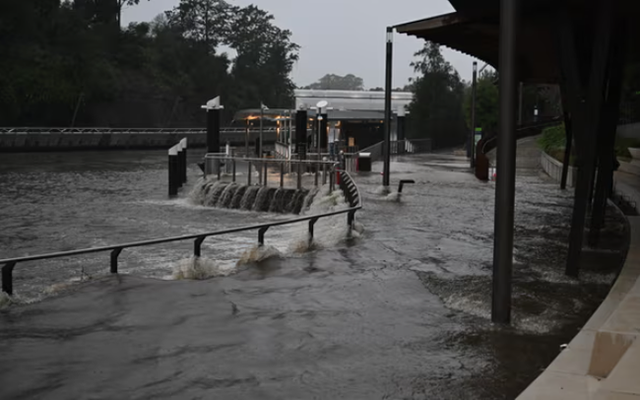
x: 398, y: 311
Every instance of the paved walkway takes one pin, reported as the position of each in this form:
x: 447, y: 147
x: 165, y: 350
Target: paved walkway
x: 603, y: 361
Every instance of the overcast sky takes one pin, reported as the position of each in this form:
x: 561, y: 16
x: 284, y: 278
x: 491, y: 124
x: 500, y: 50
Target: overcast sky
x: 340, y: 36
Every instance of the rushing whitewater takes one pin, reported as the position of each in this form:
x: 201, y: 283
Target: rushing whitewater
x: 211, y: 193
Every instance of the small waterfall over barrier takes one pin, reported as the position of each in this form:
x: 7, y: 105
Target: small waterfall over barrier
x: 252, y: 198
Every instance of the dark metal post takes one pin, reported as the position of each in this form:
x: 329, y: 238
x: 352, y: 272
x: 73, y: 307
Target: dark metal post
x: 7, y: 278
x: 301, y: 134
x: 324, y: 138
x: 506, y: 162
x: 261, y: 129
x: 246, y: 140
x: 213, y: 130
x: 184, y: 155
x: 472, y: 135
x: 400, y: 127
x: 387, y: 109
x: 521, y: 95
x: 568, y: 136
x: 607, y: 135
x: 179, y: 173
x: 592, y: 113
x: 173, y: 167
x: 114, y: 259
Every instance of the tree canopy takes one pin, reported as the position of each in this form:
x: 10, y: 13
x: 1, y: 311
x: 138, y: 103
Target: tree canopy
x: 59, y: 55
x: 436, y: 109
x: 337, y: 82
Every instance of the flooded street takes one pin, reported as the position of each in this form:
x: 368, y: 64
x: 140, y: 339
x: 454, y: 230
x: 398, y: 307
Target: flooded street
x: 399, y: 311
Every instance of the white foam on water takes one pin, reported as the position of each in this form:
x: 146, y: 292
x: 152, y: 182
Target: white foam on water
x: 5, y: 300
x: 394, y: 197
x: 199, y: 268
x: 258, y: 254
x: 382, y: 190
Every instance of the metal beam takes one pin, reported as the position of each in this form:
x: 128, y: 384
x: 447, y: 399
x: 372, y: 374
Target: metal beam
x: 506, y: 163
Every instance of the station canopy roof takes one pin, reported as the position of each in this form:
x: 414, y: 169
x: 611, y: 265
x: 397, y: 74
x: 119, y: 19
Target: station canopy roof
x: 474, y: 29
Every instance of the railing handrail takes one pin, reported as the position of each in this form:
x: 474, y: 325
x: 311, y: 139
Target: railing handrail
x: 175, y: 238
x: 103, y: 130
x: 8, y: 264
x: 271, y: 160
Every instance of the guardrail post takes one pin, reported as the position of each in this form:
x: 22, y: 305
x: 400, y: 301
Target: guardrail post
x: 324, y: 174
x: 249, y: 173
x: 114, y: 259
x: 350, y: 218
x: 332, y: 180
x: 281, y: 175
x: 312, y: 222
x: 317, y: 168
x: 264, y: 174
x: 233, y: 164
x: 197, y: 244
x: 7, y: 278
x: 299, y: 176
x: 261, y: 233
x: 219, y: 168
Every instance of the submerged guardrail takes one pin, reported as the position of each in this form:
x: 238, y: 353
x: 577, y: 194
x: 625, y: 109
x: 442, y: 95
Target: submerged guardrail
x: 355, y: 204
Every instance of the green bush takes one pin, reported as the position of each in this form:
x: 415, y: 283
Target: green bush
x: 552, y: 139
x: 622, y: 147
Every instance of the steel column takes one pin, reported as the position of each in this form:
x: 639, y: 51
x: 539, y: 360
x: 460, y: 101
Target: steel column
x: 568, y: 129
x: 607, y: 135
x: 387, y: 108
x: 213, y: 130
x: 506, y: 162
x: 592, y: 110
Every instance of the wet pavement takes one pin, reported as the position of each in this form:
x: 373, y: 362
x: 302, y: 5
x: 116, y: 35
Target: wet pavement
x: 398, y: 312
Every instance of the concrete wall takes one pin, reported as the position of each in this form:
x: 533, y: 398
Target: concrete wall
x: 17, y: 142
x: 553, y: 168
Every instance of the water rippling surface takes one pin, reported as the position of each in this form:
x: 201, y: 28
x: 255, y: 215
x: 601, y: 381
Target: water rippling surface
x: 400, y: 311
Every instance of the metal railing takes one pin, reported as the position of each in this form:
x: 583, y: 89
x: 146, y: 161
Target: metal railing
x: 213, y: 162
x: 353, y: 197
x: 97, y: 130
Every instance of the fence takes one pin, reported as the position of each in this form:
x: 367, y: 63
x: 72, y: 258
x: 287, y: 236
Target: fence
x: 355, y: 202
x: 326, y: 169
x: 175, y: 131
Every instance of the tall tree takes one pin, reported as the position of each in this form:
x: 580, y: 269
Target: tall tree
x: 486, y: 102
x: 436, y: 110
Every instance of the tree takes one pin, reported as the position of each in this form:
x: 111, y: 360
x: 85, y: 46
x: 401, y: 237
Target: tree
x: 337, y: 82
x: 486, y: 102
x: 436, y: 110
x: 58, y: 55
x: 206, y: 22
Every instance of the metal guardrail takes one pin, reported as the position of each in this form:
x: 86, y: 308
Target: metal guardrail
x: 355, y: 204
x: 213, y: 162
x: 122, y: 131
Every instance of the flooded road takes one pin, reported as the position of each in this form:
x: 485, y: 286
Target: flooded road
x: 401, y: 311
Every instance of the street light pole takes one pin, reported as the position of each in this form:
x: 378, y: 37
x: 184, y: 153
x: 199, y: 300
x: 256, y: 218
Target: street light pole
x: 261, y: 117
x: 387, y: 109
